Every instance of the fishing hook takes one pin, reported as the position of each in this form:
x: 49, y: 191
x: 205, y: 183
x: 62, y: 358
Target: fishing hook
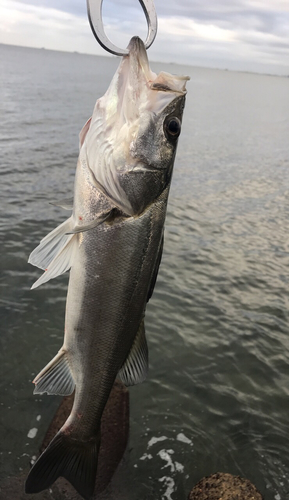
x: 94, y: 11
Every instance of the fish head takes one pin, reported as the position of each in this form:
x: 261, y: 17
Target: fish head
x: 131, y: 142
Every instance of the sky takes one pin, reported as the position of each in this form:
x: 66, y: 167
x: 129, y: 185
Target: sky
x: 244, y: 35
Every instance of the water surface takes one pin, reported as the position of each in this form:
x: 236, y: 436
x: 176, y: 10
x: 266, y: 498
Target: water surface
x: 216, y: 398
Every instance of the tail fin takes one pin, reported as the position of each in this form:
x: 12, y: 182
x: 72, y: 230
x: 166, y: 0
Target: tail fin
x: 74, y: 460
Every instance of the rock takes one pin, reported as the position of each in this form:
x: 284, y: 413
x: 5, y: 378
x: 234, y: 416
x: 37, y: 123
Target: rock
x: 114, y: 436
x: 222, y: 486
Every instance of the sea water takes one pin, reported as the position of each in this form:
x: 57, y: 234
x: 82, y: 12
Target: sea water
x: 217, y: 394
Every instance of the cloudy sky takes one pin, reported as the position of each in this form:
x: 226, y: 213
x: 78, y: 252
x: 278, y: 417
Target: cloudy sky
x: 250, y: 35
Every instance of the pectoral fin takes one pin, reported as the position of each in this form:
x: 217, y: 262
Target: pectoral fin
x: 61, y: 263
x: 51, y: 245
x: 81, y: 228
x: 56, y: 251
x: 135, y: 368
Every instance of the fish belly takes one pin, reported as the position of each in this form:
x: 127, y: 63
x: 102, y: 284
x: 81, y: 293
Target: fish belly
x: 107, y: 295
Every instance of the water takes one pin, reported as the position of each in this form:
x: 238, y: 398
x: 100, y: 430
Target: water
x: 217, y: 326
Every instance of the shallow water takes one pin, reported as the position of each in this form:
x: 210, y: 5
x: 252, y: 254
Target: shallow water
x: 216, y: 398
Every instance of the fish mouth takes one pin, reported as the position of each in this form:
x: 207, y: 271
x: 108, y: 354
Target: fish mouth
x: 138, y: 57
x: 136, y: 45
x: 136, y: 89
x: 139, y: 65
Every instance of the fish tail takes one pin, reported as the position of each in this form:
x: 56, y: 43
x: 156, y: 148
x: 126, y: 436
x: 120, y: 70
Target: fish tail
x: 74, y: 460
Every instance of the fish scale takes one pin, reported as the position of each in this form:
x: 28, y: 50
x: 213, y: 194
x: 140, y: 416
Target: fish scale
x: 112, y: 245
x: 116, y: 311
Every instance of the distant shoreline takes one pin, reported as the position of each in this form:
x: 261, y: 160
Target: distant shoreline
x: 152, y: 61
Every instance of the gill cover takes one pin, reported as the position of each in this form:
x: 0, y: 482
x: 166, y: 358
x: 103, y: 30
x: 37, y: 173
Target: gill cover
x: 126, y: 135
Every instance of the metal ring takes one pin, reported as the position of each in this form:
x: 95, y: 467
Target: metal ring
x: 94, y: 11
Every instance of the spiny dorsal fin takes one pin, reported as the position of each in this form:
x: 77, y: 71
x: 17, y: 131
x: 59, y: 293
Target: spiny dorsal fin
x: 135, y: 368
x: 56, y: 377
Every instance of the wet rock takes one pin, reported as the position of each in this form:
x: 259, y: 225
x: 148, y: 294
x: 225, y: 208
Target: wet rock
x: 223, y: 486
x: 114, y: 436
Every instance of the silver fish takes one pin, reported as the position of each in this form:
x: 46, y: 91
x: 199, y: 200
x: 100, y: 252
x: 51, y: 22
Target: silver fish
x: 112, y: 245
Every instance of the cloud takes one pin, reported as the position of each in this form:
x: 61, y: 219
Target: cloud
x: 75, y: 7
x: 27, y: 24
x: 244, y: 34
x: 186, y: 27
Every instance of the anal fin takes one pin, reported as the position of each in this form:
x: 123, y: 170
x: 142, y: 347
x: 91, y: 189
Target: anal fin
x: 56, y: 377
x: 135, y: 368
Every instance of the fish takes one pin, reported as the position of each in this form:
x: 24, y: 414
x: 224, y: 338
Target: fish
x: 112, y: 245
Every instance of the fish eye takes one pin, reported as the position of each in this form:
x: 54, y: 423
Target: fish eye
x: 172, y: 127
